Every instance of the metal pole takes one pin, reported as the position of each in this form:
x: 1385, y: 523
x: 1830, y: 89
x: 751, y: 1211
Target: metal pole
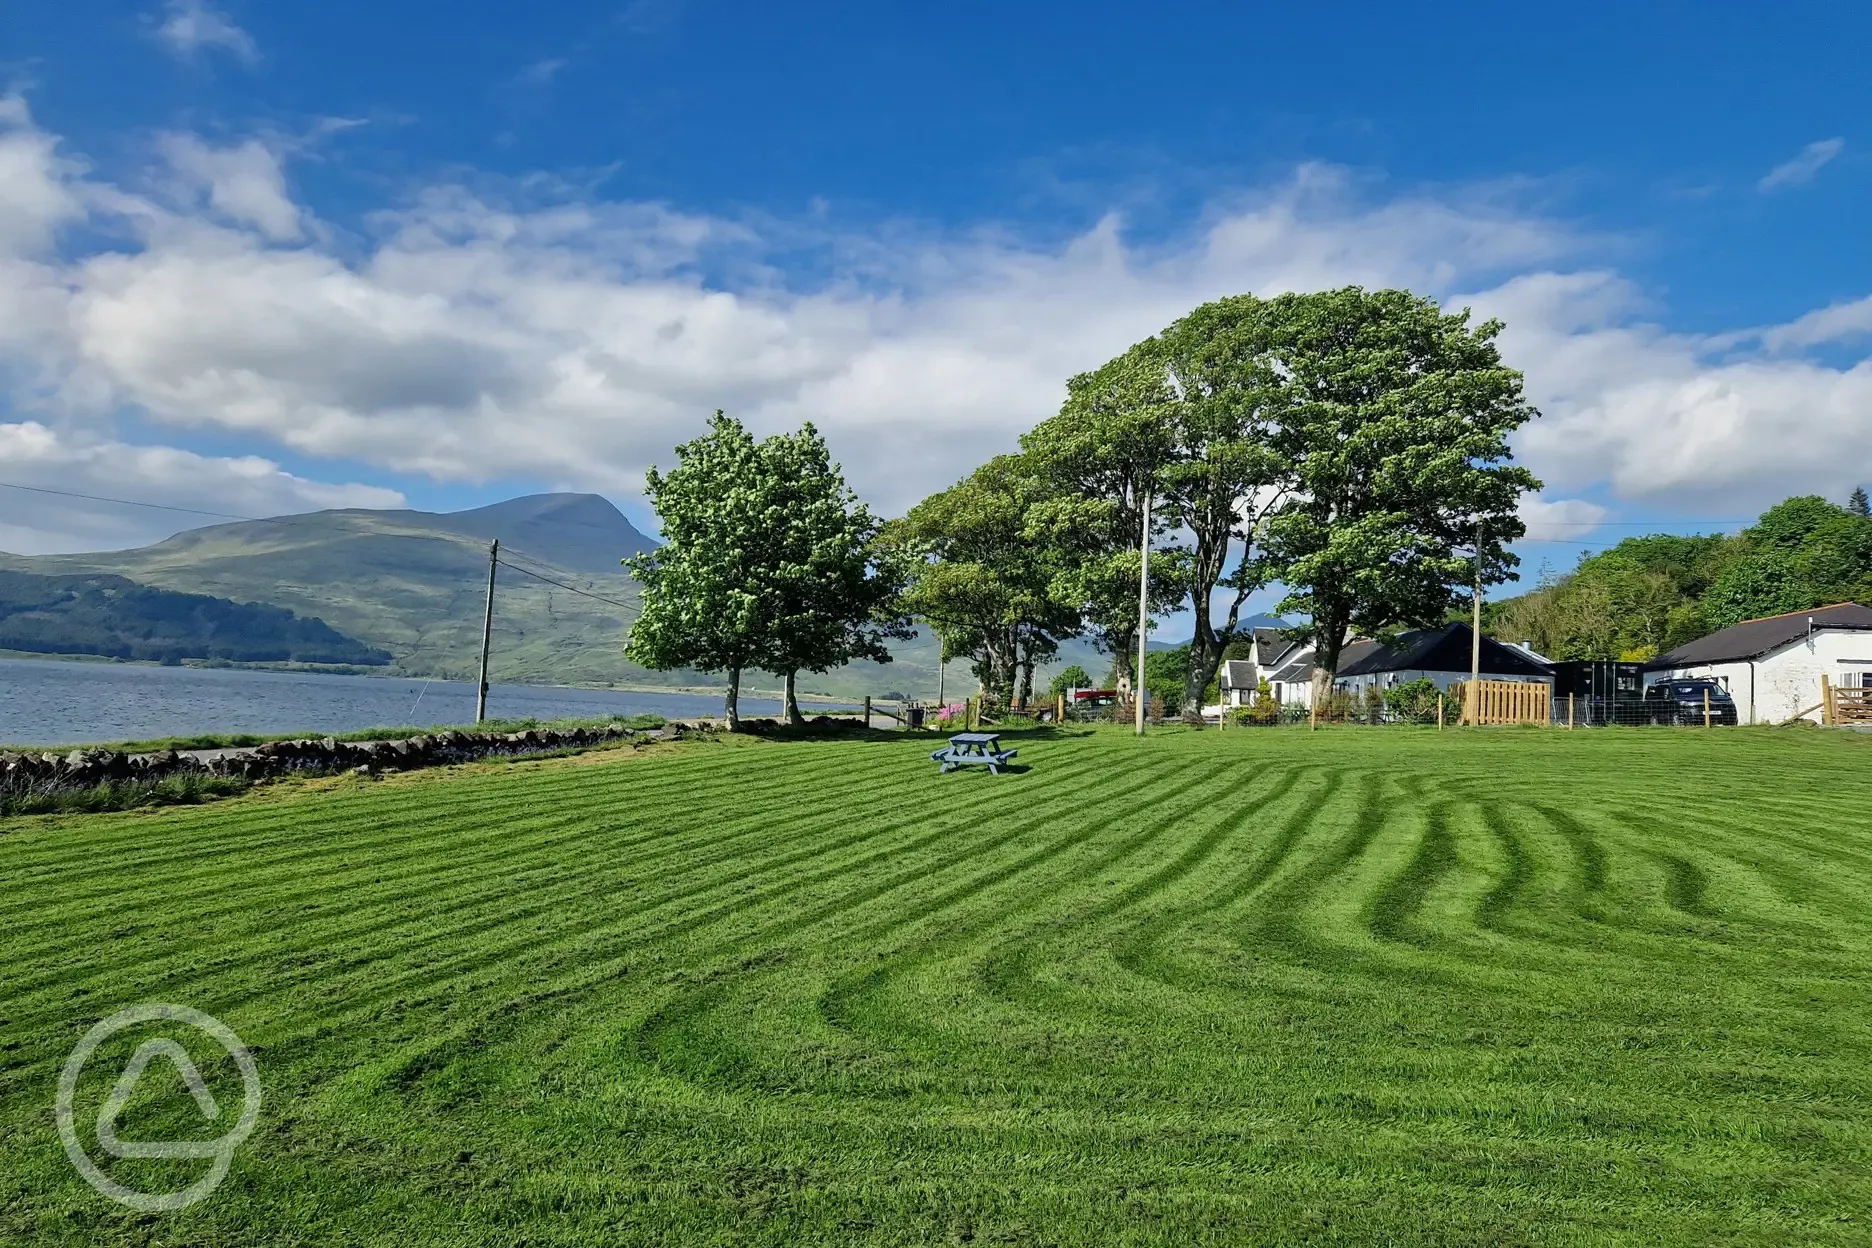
x: 1475, y: 625
x: 1138, y: 690
x: 487, y: 632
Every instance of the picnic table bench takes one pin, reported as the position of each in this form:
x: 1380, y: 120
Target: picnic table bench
x: 974, y: 749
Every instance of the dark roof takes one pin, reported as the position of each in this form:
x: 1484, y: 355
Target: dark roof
x: 1753, y: 638
x: 1272, y: 645
x: 1294, y: 673
x: 1443, y: 649
x: 1235, y: 673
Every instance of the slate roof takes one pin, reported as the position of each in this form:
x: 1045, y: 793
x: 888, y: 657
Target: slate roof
x: 1753, y: 638
x: 1443, y: 649
x: 1299, y: 672
x: 1272, y: 645
x: 1237, y: 674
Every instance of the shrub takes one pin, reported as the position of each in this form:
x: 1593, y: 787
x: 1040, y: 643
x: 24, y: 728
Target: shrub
x: 1414, y: 701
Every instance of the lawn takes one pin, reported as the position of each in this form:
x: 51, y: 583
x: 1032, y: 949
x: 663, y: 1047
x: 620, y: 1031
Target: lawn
x: 1260, y: 986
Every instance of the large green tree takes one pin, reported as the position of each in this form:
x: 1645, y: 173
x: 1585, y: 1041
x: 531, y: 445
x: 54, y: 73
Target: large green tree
x: 982, y: 580
x: 710, y: 592
x: 1109, y: 441
x: 837, y: 590
x: 1228, y: 392
x: 1397, y: 438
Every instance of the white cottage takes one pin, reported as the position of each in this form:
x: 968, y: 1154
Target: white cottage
x: 1772, y: 666
x: 1286, y: 664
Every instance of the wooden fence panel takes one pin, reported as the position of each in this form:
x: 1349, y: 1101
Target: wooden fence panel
x: 1850, y: 704
x: 1506, y: 701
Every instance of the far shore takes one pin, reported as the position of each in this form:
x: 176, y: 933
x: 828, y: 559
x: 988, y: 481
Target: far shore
x: 387, y: 672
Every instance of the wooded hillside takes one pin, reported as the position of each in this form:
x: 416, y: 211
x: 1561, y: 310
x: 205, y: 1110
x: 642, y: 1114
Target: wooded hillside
x: 1649, y: 594
x: 115, y: 616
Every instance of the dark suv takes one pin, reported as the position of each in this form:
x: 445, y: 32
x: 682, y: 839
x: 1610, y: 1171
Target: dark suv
x: 1681, y: 702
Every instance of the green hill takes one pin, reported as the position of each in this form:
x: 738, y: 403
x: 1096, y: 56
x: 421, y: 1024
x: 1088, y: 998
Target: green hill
x: 413, y: 584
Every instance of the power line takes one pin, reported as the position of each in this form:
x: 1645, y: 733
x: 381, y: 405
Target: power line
x: 568, y: 588
x: 127, y: 502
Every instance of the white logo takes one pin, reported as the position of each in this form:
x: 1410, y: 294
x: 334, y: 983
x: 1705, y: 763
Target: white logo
x: 221, y: 1150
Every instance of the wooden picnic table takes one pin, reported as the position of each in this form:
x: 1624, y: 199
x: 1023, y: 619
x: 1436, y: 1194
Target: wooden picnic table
x: 974, y: 749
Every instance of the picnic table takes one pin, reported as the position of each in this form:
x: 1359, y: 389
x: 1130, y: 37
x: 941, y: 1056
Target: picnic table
x: 974, y: 749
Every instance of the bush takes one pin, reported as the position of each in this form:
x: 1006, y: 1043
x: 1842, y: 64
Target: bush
x: 1414, y: 701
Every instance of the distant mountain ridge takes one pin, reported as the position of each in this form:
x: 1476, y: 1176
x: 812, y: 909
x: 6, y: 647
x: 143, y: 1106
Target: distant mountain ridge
x: 413, y: 582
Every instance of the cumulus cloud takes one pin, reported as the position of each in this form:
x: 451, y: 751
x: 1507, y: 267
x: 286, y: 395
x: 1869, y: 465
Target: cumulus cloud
x: 37, y: 521
x: 538, y: 334
x: 192, y: 28
x: 1803, y: 167
x: 242, y: 183
x: 1549, y: 519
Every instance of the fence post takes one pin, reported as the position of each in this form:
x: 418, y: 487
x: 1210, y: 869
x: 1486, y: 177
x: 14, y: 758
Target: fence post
x: 1059, y: 709
x: 867, y: 710
x: 1826, y: 701
x: 1569, y: 710
x: 1706, y: 706
x: 1439, y: 712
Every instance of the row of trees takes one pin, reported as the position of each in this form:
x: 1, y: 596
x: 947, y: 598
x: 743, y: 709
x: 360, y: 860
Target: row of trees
x: 1351, y: 445
x: 1649, y: 594
x: 769, y: 562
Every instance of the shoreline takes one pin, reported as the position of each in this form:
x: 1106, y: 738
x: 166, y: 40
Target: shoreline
x: 717, y: 691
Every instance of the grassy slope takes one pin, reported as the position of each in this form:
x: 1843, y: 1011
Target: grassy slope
x: 1254, y: 987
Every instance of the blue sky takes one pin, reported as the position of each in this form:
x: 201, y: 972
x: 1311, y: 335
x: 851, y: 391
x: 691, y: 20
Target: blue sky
x: 264, y: 257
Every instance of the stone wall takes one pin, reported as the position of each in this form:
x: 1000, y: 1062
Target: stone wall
x: 55, y: 772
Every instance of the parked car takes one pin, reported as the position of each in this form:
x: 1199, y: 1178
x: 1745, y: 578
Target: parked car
x: 1682, y: 702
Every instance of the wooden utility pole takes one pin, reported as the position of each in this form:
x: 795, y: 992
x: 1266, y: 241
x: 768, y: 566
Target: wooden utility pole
x: 1138, y: 692
x: 1475, y: 621
x: 487, y: 632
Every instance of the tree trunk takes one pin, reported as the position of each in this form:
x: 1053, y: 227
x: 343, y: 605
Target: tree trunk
x: 1123, y: 647
x: 793, y: 716
x: 732, y: 706
x: 1326, y: 650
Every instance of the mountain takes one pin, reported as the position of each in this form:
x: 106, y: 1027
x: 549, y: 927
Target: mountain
x: 414, y: 582
x: 579, y: 532
x: 113, y: 615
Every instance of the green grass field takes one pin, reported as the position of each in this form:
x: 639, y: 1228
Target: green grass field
x: 1353, y: 987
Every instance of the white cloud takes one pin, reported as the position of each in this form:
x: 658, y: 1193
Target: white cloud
x: 1839, y: 323
x: 1803, y: 167
x: 243, y: 182
x: 194, y: 27
x: 1560, y: 518
x: 571, y: 342
x: 42, y: 523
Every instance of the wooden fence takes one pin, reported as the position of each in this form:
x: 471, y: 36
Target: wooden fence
x: 1505, y: 701
x: 1844, y: 704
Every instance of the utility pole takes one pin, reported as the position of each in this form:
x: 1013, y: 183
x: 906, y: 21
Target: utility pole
x: 1138, y: 691
x: 487, y: 632
x: 1475, y: 629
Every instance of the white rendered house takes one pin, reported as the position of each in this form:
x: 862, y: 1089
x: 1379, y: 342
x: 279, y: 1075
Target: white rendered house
x: 1772, y: 666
